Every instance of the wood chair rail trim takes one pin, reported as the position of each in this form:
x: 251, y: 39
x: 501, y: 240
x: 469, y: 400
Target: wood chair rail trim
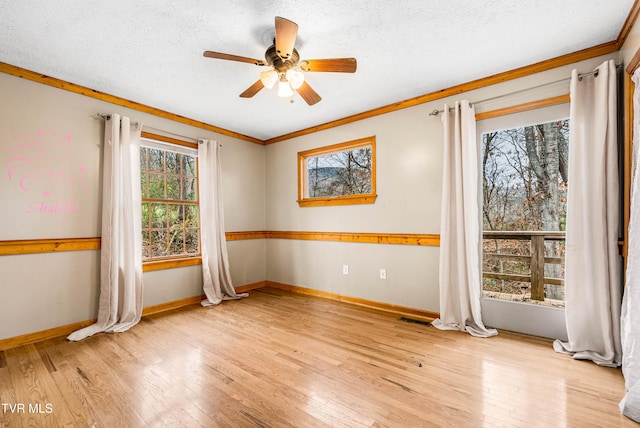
x: 31, y: 246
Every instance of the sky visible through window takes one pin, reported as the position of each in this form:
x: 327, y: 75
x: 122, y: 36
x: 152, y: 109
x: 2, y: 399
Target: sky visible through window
x: 524, y: 188
x: 338, y: 174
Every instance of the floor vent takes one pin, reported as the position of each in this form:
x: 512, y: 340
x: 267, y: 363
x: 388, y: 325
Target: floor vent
x: 414, y: 321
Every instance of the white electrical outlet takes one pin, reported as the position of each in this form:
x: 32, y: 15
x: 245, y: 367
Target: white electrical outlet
x: 383, y: 274
x: 345, y: 269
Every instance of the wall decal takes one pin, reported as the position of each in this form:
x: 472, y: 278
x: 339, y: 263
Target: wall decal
x: 42, y: 165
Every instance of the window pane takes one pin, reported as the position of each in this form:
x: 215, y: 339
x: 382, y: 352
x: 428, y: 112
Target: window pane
x: 176, y: 216
x: 146, y: 245
x: 156, y: 160
x: 156, y: 186
x: 188, y: 165
x: 173, y: 163
x: 525, y: 177
x: 144, y: 186
x: 189, y: 189
x: 146, y: 217
x: 192, y: 241
x: 143, y: 158
x: 173, y: 187
x: 339, y: 174
x: 159, y: 241
x: 176, y: 242
x: 158, y: 215
x: 192, y: 216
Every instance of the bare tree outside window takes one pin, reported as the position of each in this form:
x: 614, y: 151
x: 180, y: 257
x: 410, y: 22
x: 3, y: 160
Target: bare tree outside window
x: 339, y: 174
x: 342, y: 173
x: 525, y: 187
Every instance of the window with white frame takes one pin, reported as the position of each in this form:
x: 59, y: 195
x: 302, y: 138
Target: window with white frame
x: 170, y: 211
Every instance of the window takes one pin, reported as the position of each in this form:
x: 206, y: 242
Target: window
x: 524, y: 211
x: 341, y: 174
x: 170, y: 224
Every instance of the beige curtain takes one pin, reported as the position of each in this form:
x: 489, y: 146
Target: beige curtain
x: 460, y: 232
x: 215, y: 260
x: 120, y: 304
x: 630, y: 317
x: 592, y: 269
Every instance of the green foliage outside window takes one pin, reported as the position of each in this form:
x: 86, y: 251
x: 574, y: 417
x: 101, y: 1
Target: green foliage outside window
x: 170, y: 223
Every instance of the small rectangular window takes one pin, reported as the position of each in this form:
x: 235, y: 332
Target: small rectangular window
x: 341, y: 174
x: 169, y: 182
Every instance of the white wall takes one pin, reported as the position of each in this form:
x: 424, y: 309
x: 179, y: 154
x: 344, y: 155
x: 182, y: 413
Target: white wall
x: 409, y: 169
x: 42, y: 291
x: 631, y: 44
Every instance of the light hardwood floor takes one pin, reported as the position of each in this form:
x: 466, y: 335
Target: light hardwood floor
x: 284, y: 359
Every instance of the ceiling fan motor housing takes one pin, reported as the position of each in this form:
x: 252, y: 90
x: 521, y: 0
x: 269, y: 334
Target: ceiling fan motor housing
x: 281, y: 65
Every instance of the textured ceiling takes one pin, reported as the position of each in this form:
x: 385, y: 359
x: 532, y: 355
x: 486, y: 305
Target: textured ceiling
x: 150, y: 51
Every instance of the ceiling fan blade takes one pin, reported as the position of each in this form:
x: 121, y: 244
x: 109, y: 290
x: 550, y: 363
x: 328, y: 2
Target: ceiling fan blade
x: 338, y: 65
x: 308, y: 94
x: 218, y: 55
x: 252, y: 90
x: 286, y: 33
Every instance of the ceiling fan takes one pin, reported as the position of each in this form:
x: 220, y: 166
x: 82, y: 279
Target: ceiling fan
x: 286, y: 67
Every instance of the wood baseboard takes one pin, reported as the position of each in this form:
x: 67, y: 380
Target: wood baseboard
x: 65, y: 330
x: 39, y: 336
x: 419, y: 314
x: 169, y: 306
x: 249, y: 287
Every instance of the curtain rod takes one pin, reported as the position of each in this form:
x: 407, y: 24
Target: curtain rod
x: 436, y: 112
x: 105, y: 116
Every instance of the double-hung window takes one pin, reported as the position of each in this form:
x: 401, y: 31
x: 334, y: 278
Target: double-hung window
x: 170, y: 215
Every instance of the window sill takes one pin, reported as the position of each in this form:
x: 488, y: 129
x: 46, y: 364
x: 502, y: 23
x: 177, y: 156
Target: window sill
x: 170, y: 264
x: 340, y: 200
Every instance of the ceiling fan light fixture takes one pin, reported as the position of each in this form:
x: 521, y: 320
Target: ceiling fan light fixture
x: 269, y: 78
x: 284, y: 65
x: 295, y: 78
x: 284, y: 89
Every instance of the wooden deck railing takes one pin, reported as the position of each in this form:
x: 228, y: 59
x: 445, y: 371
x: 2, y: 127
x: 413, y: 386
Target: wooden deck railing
x: 536, y: 258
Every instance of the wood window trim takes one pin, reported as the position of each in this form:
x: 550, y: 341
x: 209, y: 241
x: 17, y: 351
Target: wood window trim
x: 519, y: 108
x: 153, y: 265
x: 368, y: 198
x: 165, y: 139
